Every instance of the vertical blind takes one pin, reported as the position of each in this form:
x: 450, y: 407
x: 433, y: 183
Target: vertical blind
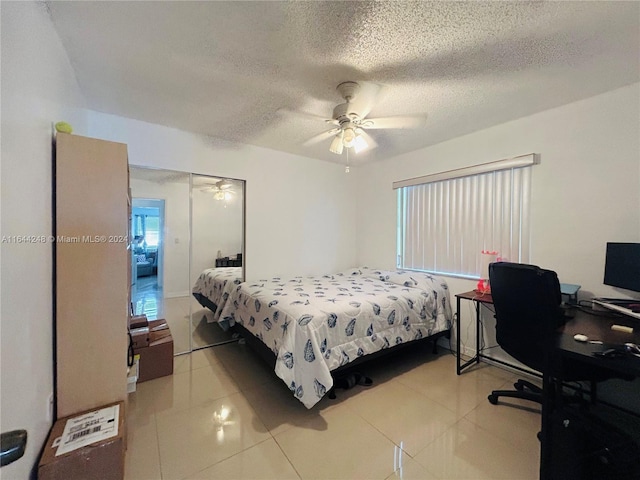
x: 444, y: 225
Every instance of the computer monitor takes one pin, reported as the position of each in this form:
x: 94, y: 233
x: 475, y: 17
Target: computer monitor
x: 622, y: 266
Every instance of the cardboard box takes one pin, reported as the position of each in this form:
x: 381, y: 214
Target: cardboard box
x: 140, y: 337
x: 138, y: 321
x: 156, y: 360
x: 158, y: 325
x: 100, y: 460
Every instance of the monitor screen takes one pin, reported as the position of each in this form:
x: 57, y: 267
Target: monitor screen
x: 622, y: 266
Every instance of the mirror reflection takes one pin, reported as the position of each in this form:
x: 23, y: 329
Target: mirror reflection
x: 217, y: 212
x: 183, y: 225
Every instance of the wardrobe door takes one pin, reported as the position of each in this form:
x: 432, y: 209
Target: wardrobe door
x: 160, y: 249
x: 217, y: 247
x: 91, y: 272
x: 183, y: 225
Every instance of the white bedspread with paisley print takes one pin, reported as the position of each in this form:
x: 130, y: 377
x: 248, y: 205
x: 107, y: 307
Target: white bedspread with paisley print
x: 316, y: 324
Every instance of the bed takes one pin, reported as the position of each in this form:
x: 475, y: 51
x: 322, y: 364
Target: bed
x: 213, y: 287
x: 315, y: 325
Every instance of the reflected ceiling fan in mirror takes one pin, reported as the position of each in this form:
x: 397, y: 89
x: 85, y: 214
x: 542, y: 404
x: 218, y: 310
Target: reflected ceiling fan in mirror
x: 221, y: 189
x: 351, y: 122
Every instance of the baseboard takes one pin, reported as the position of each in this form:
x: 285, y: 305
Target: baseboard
x: 177, y: 294
x: 466, y: 351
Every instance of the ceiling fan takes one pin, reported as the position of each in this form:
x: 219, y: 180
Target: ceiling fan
x: 350, y: 119
x: 221, y: 189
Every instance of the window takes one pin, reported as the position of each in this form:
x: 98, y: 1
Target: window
x: 446, y: 220
x: 152, y: 232
x: 147, y: 229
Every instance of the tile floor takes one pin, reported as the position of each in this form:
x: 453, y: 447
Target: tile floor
x: 147, y: 298
x: 223, y: 414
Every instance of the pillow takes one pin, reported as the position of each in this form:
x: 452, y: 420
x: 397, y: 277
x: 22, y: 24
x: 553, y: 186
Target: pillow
x: 421, y: 280
x: 354, y: 272
x: 142, y: 258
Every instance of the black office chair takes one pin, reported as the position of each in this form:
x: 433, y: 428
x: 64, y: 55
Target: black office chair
x: 527, y: 301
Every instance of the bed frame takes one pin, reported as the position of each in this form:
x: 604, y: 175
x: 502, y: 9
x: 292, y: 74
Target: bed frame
x: 268, y: 356
x: 205, y: 302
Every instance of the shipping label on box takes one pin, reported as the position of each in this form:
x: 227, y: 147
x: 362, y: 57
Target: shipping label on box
x: 89, y: 428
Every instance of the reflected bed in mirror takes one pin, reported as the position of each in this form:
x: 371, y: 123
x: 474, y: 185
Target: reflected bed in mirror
x: 201, y: 219
x: 214, y: 287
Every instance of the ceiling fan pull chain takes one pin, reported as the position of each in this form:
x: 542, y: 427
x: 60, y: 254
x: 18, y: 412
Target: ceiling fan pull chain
x: 346, y: 169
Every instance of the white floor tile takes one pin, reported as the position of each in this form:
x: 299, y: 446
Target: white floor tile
x: 224, y: 414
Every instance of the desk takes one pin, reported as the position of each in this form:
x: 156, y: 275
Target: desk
x: 596, y: 328
x: 478, y: 299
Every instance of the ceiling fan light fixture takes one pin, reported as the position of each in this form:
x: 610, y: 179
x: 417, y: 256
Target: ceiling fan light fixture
x: 349, y: 137
x: 222, y: 190
x: 360, y: 144
x: 351, y: 122
x: 219, y: 195
x: 337, y: 145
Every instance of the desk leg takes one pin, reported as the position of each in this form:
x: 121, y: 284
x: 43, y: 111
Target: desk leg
x: 476, y: 358
x: 551, y: 400
x: 477, y: 332
x: 458, y: 354
x: 548, y: 390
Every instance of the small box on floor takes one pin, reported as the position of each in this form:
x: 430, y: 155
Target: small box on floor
x: 86, y: 446
x: 139, y: 337
x: 156, y: 359
x: 138, y: 321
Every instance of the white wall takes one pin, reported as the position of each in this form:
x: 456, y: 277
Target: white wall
x: 216, y: 226
x: 300, y: 212
x: 38, y: 88
x: 585, y: 192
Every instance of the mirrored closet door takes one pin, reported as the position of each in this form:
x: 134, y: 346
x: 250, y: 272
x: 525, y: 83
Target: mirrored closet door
x: 217, y: 234
x: 183, y: 225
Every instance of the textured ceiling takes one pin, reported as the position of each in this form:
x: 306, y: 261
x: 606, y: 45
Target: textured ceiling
x: 232, y: 69
x: 157, y: 175
x: 160, y: 176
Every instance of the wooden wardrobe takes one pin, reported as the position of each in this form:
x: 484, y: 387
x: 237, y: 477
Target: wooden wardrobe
x: 91, y: 272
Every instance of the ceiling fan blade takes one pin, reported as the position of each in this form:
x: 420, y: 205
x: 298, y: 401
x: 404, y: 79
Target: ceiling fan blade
x: 321, y: 136
x: 405, y: 121
x: 367, y: 97
x: 306, y: 115
x: 367, y: 138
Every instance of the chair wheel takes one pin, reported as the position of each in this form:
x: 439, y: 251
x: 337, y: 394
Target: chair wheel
x: 493, y: 399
